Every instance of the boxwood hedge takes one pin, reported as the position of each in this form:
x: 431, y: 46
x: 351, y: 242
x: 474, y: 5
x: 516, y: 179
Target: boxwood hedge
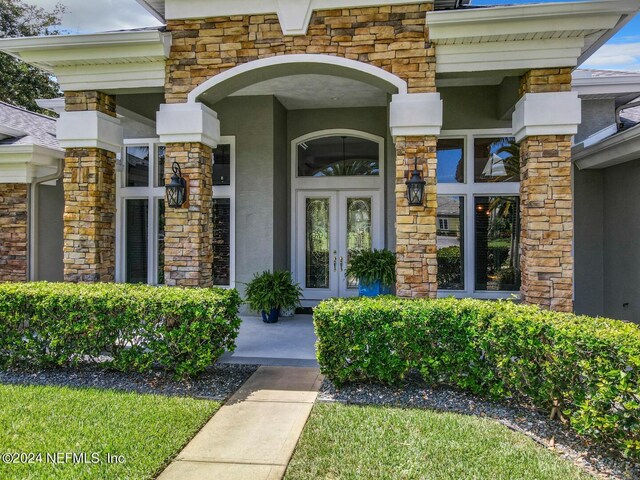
x: 589, y: 368
x: 126, y: 327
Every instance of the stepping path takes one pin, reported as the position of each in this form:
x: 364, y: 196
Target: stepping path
x: 254, y: 434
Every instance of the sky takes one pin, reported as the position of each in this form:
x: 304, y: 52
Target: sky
x: 622, y: 52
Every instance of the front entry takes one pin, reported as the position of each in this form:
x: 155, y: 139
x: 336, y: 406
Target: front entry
x: 332, y: 225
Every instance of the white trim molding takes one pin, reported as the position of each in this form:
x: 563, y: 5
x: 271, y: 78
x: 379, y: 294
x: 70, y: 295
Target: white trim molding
x: 416, y: 114
x: 294, y: 15
x: 90, y: 129
x: 188, y: 123
x: 112, y: 62
x: 284, y: 65
x: 26, y: 163
x: 521, y: 37
x: 619, y: 148
x: 556, y: 113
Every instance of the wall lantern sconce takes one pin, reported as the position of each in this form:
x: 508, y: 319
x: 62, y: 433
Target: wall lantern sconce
x: 177, y: 189
x: 415, y: 187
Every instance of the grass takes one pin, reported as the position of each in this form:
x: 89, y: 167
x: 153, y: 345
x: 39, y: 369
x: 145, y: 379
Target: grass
x: 351, y: 442
x: 147, y: 430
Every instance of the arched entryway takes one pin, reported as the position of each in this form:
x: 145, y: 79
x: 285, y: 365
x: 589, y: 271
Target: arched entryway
x: 337, y: 207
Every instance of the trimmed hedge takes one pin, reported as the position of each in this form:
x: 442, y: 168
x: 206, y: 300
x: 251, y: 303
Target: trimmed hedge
x: 588, y: 367
x: 58, y: 324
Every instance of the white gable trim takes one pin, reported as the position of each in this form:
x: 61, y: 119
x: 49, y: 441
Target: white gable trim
x: 294, y: 15
x: 620, y: 148
x: 521, y: 37
x: 316, y: 59
x: 25, y: 163
x: 109, y: 62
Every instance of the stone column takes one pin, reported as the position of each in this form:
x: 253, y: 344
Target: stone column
x: 416, y: 249
x: 14, y: 229
x: 190, y: 131
x: 416, y: 120
x: 545, y: 119
x: 91, y: 134
x: 188, y: 238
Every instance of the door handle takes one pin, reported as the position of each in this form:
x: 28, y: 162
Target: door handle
x: 341, y: 264
x: 335, y: 261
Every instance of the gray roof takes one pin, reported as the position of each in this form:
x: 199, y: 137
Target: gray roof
x: 36, y: 129
x: 606, y: 73
x: 448, y: 206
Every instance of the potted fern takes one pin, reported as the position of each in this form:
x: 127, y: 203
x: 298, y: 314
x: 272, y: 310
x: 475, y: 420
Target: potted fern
x: 375, y: 271
x: 268, y: 293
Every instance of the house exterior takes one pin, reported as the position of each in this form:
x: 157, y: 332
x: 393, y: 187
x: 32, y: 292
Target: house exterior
x: 607, y: 171
x: 30, y: 197
x: 296, y: 124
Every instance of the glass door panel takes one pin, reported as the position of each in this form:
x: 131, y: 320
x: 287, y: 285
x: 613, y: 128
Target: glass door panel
x: 317, y: 243
x: 317, y: 250
x: 359, y: 234
x: 360, y: 229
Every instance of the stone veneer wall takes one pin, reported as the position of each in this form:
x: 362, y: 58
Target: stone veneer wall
x: 90, y: 204
x: 90, y: 101
x: 188, y: 241
x: 547, y: 206
x: 391, y: 37
x: 14, y: 229
x: 416, y: 247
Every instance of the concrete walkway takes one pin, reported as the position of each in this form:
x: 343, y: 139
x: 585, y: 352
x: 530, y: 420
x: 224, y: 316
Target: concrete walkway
x: 254, y: 434
x: 290, y: 342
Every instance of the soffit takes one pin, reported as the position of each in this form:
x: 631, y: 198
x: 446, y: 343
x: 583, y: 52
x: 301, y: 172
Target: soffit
x: 311, y: 91
x: 524, y: 36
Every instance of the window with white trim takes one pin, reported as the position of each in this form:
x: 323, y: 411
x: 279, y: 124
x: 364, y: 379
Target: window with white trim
x: 223, y: 213
x: 478, y: 214
x: 140, y: 213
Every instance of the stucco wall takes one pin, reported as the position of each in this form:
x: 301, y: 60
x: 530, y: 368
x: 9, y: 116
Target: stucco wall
x: 281, y: 210
x: 607, y: 235
x: 50, y: 205
x: 251, y: 121
x: 621, y: 241
x: 596, y: 115
x: 589, y: 242
x: 473, y: 107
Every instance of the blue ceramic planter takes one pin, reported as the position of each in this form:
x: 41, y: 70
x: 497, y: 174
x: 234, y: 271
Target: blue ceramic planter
x: 272, y: 317
x: 373, y: 290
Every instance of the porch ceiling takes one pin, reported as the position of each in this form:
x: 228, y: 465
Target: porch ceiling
x: 310, y: 91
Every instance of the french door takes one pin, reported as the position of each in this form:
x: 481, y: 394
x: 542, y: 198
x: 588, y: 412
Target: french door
x: 331, y: 225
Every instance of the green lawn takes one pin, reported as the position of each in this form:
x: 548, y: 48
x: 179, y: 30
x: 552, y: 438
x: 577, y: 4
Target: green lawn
x: 147, y: 430
x: 351, y: 442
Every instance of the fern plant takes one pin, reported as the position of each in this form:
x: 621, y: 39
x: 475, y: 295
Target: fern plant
x: 277, y: 290
x: 372, y: 266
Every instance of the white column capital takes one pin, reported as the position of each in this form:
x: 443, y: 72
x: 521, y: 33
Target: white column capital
x: 554, y: 113
x: 188, y: 123
x: 89, y: 129
x: 415, y: 114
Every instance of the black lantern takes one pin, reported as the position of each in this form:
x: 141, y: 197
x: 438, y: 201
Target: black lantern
x: 415, y: 187
x: 177, y: 189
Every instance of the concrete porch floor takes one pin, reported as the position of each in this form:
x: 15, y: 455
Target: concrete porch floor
x: 290, y: 342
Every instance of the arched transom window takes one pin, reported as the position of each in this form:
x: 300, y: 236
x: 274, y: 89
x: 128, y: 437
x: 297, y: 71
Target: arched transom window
x: 338, y: 156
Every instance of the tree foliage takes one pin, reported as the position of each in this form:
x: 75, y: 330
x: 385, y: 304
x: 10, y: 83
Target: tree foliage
x: 22, y: 84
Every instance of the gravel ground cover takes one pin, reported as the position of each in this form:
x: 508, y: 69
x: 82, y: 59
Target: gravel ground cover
x: 415, y: 393
x: 218, y: 383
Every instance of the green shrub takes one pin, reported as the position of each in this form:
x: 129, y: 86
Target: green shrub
x: 590, y: 367
x: 137, y: 326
